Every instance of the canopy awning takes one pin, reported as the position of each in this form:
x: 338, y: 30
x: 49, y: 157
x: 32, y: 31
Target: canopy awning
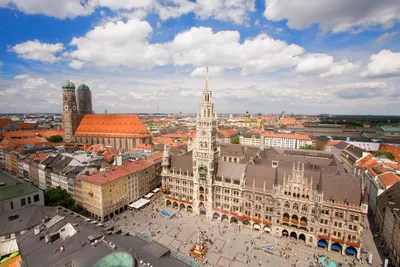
x: 139, y: 203
x: 257, y: 226
x: 149, y: 195
x: 322, y: 243
x: 336, y: 247
x: 8, y: 247
x: 267, y: 229
x: 351, y: 251
x: 156, y: 190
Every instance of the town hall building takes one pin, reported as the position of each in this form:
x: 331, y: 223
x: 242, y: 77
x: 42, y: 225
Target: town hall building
x: 301, y: 194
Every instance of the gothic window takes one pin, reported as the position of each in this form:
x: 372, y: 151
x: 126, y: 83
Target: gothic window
x: 304, y: 208
x: 313, y: 210
x: 205, y: 114
x: 295, y: 206
x: 201, y: 144
x: 209, y: 113
x: 65, y: 97
x: 205, y: 144
x: 287, y: 205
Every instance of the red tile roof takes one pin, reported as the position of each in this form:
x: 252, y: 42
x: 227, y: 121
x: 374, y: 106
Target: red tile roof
x: 112, y: 125
x: 389, y: 178
x: 5, y: 122
x: 287, y: 120
x: 21, y: 134
x: 395, y: 150
x: 10, y: 143
x: 116, y: 172
x: 227, y: 132
x: 24, y: 126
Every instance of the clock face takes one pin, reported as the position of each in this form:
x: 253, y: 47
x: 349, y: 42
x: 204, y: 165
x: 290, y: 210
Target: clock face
x: 74, y: 108
x: 203, y: 132
x: 65, y: 107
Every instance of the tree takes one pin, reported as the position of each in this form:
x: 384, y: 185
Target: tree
x: 55, y: 139
x: 388, y: 155
x: 59, y: 197
x: 307, y: 147
x: 236, y: 140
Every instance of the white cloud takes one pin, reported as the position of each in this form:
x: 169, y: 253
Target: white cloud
x: 34, y: 83
x: 120, y: 44
x: 212, y: 72
x: 59, y: 9
x: 76, y: 64
x: 21, y: 77
x: 148, y: 95
x: 383, y: 65
x: 106, y: 94
x: 360, y: 90
x: 385, y: 36
x: 314, y: 63
x: 340, y: 68
x: 35, y: 50
x: 337, y: 16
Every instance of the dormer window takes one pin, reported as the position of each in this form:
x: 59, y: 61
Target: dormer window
x: 275, y: 164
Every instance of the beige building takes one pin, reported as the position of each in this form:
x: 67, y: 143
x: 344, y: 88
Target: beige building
x: 285, y: 192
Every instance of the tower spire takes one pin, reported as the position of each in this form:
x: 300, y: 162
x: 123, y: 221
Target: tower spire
x: 320, y: 183
x: 276, y: 177
x: 207, y: 80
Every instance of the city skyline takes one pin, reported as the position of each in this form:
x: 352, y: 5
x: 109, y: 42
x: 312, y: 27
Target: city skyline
x: 340, y: 59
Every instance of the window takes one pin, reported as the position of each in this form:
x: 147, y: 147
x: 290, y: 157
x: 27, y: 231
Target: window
x: 7, y: 236
x: 29, y: 200
x: 23, y: 201
x: 35, y: 198
x: 12, y: 205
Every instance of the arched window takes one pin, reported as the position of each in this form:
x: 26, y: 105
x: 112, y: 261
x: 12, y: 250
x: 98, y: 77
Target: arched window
x: 201, y: 144
x: 304, y: 208
x: 205, y: 113
x: 65, y: 97
x: 287, y: 205
x: 295, y: 206
x: 313, y: 210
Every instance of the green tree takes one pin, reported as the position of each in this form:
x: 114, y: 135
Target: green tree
x: 55, y: 139
x: 236, y: 140
x: 59, y: 197
x: 307, y: 147
x: 385, y: 154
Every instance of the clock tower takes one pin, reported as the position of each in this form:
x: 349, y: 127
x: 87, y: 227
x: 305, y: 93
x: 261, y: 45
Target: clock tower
x: 205, y: 155
x: 70, y: 114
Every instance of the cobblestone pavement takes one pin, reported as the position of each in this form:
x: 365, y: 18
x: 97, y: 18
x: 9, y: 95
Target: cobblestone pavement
x: 230, y: 247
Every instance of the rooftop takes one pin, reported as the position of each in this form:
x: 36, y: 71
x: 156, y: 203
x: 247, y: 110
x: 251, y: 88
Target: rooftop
x: 12, y: 191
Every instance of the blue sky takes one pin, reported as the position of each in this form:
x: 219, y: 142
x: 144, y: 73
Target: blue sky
x: 340, y: 57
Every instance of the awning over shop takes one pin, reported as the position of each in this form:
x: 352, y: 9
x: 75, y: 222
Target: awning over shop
x: 351, y: 250
x: 8, y: 247
x: 139, y: 203
x: 322, y: 243
x: 257, y: 226
x: 149, y: 195
x: 336, y: 247
x: 267, y: 229
x: 156, y: 190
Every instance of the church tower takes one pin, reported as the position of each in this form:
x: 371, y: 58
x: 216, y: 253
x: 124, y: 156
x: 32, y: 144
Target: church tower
x: 70, y: 114
x: 205, y: 154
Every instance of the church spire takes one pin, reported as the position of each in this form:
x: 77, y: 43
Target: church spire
x: 276, y: 176
x: 320, y: 183
x: 207, y: 81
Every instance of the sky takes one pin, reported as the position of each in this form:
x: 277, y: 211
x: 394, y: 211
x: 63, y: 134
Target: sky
x: 268, y: 56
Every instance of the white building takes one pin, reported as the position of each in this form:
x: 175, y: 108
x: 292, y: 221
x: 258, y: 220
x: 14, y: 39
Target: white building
x: 283, y: 140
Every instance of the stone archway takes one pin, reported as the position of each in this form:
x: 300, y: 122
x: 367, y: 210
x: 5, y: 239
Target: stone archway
x: 352, y: 251
x: 246, y: 222
x: 234, y: 219
x: 175, y: 205
x: 202, y: 208
x: 336, y: 247
x: 181, y: 206
x: 168, y: 203
x: 189, y: 209
x: 256, y: 226
x: 293, y: 234
x: 216, y: 215
x: 286, y: 217
x: 224, y: 217
x: 322, y: 243
x: 302, y: 237
x: 285, y: 233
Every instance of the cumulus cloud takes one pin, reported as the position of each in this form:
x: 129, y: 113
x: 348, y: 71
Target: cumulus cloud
x: 224, y: 10
x: 120, y: 44
x: 212, y: 72
x: 385, y: 64
x: 386, y: 36
x: 76, y: 64
x: 21, y: 77
x: 340, y: 68
x: 336, y: 16
x: 160, y: 94
x: 35, y: 50
x: 360, y: 90
x: 314, y: 63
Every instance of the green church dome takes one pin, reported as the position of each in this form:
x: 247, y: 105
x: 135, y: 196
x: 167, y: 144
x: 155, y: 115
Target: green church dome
x: 68, y: 84
x: 83, y: 87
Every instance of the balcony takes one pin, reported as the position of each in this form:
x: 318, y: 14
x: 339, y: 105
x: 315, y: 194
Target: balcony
x: 285, y: 219
x: 303, y: 223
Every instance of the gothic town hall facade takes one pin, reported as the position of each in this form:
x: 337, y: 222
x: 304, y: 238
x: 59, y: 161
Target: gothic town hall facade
x: 301, y: 194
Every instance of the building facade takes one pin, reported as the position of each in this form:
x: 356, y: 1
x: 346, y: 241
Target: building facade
x: 286, y: 192
x: 84, y: 100
x: 70, y: 114
x: 293, y: 141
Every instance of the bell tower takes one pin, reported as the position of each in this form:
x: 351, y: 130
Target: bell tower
x: 205, y: 154
x: 70, y: 114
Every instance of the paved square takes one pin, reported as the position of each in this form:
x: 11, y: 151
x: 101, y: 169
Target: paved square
x: 224, y: 262
x: 241, y: 257
x: 218, y: 245
x: 175, y: 244
x: 173, y: 232
x: 165, y: 240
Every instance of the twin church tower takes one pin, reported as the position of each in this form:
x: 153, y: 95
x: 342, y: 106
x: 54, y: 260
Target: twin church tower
x: 75, y: 105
